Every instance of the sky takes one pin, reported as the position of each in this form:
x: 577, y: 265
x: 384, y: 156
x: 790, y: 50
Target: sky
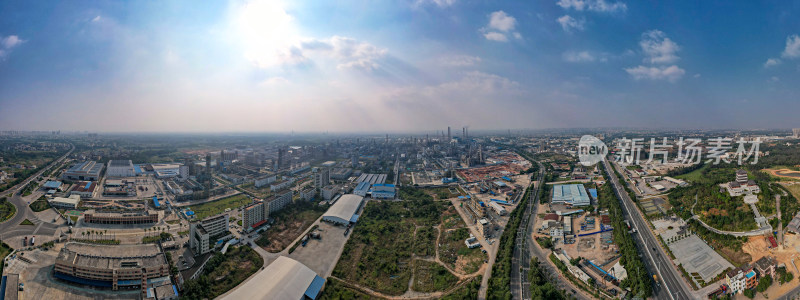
x: 397, y: 65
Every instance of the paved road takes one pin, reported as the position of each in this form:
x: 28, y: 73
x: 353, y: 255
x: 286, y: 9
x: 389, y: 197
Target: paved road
x: 525, y: 248
x: 671, y: 285
x: 11, y: 228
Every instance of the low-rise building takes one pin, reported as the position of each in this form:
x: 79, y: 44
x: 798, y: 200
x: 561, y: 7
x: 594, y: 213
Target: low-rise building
x: 766, y: 266
x: 280, y: 185
x: 383, y: 191
x: 265, y: 180
x: 52, y: 185
x: 66, y: 203
x: 85, y: 189
x: 741, y: 278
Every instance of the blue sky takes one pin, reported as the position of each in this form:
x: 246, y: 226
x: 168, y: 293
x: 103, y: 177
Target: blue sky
x: 412, y: 65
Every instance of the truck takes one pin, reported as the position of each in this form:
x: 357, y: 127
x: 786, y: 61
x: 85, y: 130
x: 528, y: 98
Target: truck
x: 304, y: 241
x: 655, y: 278
x: 32, y: 240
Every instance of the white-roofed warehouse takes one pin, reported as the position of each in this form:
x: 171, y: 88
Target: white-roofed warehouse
x: 285, y: 278
x: 344, y: 210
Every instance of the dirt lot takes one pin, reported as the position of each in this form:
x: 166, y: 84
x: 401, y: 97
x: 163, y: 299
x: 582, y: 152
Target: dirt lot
x: 757, y: 248
x: 289, y: 224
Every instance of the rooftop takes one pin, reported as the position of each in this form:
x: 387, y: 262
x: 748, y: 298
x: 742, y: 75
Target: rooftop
x: 111, y: 256
x: 285, y: 278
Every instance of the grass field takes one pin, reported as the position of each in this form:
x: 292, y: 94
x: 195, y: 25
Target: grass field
x: 378, y: 255
x: 39, y: 205
x: 794, y: 189
x: 336, y: 290
x: 695, y: 176
x: 223, y: 272
x: 5, y: 250
x: 290, y: 223
x: 455, y: 253
x: 208, y: 209
x: 7, y: 210
x: 26, y: 222
x: 432, y: 277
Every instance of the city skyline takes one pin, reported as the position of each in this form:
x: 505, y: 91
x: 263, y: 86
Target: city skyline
x: 408, y: 66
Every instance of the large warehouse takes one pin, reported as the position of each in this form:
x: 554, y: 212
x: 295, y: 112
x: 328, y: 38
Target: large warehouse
x: 571, y: 194
x: 285, y: 278
x: 120, y: 168
x: 344, y: 210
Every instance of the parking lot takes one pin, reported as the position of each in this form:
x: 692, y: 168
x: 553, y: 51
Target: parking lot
x: 321, y: 255
x: 697, y: 257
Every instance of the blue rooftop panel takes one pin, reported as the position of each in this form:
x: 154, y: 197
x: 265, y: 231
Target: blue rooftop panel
x: 354, y: 218
x: 155, y: 202
x: 315, y: 287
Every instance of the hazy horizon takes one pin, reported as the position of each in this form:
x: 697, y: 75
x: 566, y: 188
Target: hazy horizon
x: 399, y: 66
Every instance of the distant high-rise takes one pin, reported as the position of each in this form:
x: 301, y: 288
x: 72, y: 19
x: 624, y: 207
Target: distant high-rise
x: 796, y: 132
x: 449, y: 137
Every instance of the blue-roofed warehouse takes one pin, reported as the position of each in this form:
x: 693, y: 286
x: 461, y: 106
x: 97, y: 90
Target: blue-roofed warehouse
x: 571, y: 194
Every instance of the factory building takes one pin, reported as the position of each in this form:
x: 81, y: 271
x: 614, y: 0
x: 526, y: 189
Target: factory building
x: 344, y: 211
x: 88, y: 170
x: 115, y: 267
x: 383, y: 191
x: 203, y: 235
x: 571, y: 194
x: 120, y: 168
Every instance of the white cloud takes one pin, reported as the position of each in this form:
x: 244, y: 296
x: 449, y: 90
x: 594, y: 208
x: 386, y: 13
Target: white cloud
x: 670, y: 73
x: 8, y: 43
x: 697, y: 75
x: 495, y: 36
x: 569, y: 23
x: 499, y: 20
x: 348, y: 52
x: 460, y: 60
x: 772, y: 62
x: 439, y: 3
x: 775, y: 79
x: 659, y: 48
x: 582, y: 56
x: 593, y: 5
x: 500, y: 23
x: 11, y: 41
x: 792, y: 49
x: 96, y: 19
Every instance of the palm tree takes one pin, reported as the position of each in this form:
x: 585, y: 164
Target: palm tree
x: 83, y: 233
x: 105, y: 232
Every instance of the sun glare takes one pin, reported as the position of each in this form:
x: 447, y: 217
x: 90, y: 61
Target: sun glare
x: 267, y: 33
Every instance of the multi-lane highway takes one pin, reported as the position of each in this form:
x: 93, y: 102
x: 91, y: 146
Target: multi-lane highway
x: 670, y: 285
x: 11, y: 227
